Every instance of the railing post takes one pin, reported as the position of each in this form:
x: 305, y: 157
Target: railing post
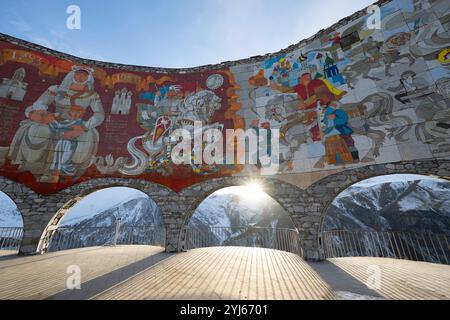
x: 116, y: 234
x: 3, y: 232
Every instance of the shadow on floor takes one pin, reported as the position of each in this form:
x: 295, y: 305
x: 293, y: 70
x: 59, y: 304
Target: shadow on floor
x: 31, y: 258
x: 346, y: 286
x: 8, y: 255
x: 93, y: 287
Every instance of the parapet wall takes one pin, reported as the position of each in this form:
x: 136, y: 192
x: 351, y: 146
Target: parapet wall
x: 351, y: 96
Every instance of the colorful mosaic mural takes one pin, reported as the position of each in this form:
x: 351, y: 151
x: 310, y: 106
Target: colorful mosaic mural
x: 63, y: 122
x: 356, y: 95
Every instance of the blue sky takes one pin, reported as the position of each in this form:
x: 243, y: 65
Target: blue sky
x: 172, y: 33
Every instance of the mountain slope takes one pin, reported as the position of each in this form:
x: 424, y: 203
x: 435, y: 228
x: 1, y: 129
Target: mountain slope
x: 141, y: 223
x: 9, y: 214
x: 234, y: 213
x: 134, y: 212
x: 401, y: 205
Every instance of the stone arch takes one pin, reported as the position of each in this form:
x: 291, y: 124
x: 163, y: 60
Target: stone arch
x: 321, y: 194
x: 28, y: 203
x: 282, y: 192
x: 59, y: 204
x: 307, y: 208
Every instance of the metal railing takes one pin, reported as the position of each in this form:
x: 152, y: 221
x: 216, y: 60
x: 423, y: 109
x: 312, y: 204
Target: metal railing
x: 67, y: 238
x: 270, y: 238
x: 10, y: 238
x: 417, y: 246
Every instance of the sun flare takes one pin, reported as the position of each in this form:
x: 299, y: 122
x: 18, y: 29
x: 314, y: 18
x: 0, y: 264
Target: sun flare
x: 252, y: 192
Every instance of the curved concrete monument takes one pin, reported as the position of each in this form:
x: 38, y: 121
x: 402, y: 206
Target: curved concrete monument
x: 366, y: 97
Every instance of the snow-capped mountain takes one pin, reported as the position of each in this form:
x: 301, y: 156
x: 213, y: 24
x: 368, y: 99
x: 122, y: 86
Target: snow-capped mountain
x: 101, y: 201
x: 401, y: 206
x: 9, y: 218
x: 9, y: 214
x: 225, y: 217
x: 417, y: 211
x: 231, y: 210
x: 140, y: 223
x: 139, y: 211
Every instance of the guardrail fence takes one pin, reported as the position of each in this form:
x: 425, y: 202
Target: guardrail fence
x: 10, y: 238
x: 270, y: 238
x: 68, y: 238
x: 417, y: 246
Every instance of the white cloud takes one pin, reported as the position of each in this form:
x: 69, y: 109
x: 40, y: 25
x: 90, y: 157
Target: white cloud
x: 42, y: 41
x: 57, y: 41
x: 230, y: 30
x: 20, y: 25
x: 207, y: 31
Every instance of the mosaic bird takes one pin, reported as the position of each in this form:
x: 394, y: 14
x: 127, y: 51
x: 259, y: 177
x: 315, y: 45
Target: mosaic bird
x: 302, y: 57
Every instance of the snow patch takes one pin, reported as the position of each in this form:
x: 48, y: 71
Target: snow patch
x: 9, y: 213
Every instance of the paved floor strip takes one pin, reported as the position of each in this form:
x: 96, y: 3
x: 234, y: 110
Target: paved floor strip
x: 144, y: 272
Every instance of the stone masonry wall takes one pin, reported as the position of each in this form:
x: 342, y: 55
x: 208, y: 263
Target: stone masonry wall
x: 307, y: 208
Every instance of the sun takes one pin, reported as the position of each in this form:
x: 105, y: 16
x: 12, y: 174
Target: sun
x: 254, y: 187
x: 253, y: 191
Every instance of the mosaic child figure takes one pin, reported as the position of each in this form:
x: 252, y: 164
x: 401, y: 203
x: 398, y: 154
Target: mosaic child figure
x: 66, y: 145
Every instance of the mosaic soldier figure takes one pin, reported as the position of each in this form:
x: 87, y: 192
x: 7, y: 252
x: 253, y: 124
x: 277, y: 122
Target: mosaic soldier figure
x: 336, y: 148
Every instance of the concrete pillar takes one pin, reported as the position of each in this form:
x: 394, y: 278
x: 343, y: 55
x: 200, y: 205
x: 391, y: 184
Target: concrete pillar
x: 175, y: 210
x: 310, y: 246
x: 33, y: 227
x: 308, y: 225
x: 173, y: 235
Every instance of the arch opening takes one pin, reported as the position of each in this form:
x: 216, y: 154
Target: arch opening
x: 242, y: 216
x: 403, y: 216
x: 11, y: 226
x: 105, y: 217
